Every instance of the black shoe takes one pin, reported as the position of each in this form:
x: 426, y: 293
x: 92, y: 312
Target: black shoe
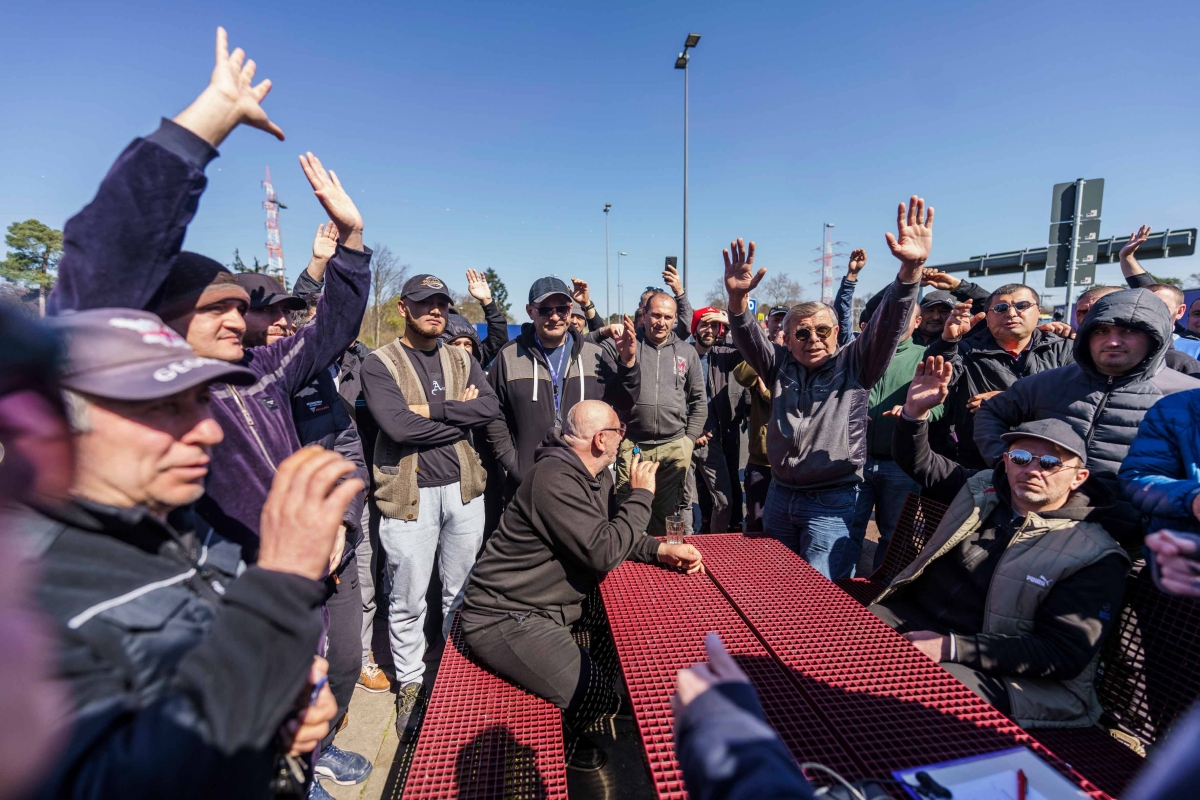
x: 588, y: 756
x: 410, y: 708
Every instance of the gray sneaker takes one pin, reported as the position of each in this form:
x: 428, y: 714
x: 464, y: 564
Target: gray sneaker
x: 410, y: 709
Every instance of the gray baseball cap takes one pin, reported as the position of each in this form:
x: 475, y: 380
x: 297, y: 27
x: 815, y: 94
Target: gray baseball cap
x: 544, y: 287
x: 940, y: 297
x: 123, y: 354
x: 1054, y: 431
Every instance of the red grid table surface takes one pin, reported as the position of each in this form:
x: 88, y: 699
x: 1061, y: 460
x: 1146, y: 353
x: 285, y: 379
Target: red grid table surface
x: 484, y: 738
x: 658, y: 620
x: 894, y: 707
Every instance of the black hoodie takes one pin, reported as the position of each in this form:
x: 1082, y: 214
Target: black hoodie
x: 557, y: 538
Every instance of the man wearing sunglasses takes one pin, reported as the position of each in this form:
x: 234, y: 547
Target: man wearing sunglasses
x: 817, y: 436
x: 987, y: 363
x: 1018, y: 586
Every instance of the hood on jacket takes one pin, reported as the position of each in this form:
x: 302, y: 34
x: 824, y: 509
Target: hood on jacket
x: 457, y: 326
x: 556, y: 447
x: 1137, y: 309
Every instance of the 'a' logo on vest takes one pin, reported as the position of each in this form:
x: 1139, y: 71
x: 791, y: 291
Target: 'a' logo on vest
x: 1040, y: 580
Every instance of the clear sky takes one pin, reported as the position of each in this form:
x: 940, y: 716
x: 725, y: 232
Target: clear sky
x: 491, y: 134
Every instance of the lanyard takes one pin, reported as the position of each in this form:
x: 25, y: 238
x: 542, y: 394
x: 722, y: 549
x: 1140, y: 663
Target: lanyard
x: 554, y: 371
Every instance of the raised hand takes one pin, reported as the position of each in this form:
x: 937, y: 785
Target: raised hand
x: 1061, y: 329
x: 230, y: 99
x: 960, y: 321
x: 625, y: 341
x: 930, y: 387
x: 325, y: 243
x: 858, y: 260
x: 939, y: 280
x: 478, y: 287
x: 641, y: 473
x: 740, y: 277
x: 914, y: 237
x: 579, y: 292
x: 670, y: 277
x: 1136, y: 240
x: 335, y: 200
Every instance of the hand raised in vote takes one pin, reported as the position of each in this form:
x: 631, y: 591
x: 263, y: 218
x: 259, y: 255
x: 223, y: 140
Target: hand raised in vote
x: 740, y: 277
x: 626, y: 342
x: 325, y: 242
x: 335, y: 200
x: 960, y: 321
x: 641, y: 473
x: 930, y: 386
x: 478, y: 287
x: 697, y: 679
x: 914, y: 235
x: 858, y: 260
x: 230, y: 99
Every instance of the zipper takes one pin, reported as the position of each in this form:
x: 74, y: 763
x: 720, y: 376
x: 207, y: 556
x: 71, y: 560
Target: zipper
x: 1087, y: 441
x: 253, y: 428
x: 657, y: 384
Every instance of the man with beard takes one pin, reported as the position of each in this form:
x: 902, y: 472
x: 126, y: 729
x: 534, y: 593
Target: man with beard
x: 425, y: 397
x: 1016, y: 589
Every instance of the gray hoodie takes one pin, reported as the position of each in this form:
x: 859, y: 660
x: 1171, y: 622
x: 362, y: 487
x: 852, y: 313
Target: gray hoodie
x: 672, y: 402
x: 817, y: 436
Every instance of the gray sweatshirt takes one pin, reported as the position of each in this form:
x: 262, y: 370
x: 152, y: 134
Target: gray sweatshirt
x: 672, y: 402
x: 817, y: 436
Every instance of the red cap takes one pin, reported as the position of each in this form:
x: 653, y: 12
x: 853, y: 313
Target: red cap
x: 699, y: 313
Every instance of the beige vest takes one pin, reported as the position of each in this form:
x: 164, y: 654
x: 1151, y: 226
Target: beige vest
x: 394, y: 466
x: 1042, y: 553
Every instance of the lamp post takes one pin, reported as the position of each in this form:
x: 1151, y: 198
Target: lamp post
x: 620, y: 288
x: 607, y: 301
x: 682, y: 63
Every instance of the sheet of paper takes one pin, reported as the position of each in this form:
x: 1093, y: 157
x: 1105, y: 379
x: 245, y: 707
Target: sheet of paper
x: 993, y: 776
x: 1000, y: 786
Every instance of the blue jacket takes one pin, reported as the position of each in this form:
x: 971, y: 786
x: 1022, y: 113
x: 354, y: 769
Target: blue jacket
x: 1161, y: 473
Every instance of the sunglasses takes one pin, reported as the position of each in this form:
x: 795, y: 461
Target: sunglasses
x: 1021, y: 307
x: 1023, y: 458
x: 804, y: 334
x: 547, y: 311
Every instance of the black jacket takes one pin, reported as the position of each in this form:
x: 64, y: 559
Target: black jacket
x: 982, y: 365
x: 557, y: 538
x: 721, y: 361
x: 527, y: 414
x: 180, y: 674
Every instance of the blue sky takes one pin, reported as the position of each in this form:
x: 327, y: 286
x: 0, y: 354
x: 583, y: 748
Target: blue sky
x: 491, y: 134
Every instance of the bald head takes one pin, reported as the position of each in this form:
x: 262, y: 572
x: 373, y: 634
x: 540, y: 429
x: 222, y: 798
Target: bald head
x: 593, y: 431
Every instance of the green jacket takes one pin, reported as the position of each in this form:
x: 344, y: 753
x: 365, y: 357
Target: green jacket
x: 891, y: 391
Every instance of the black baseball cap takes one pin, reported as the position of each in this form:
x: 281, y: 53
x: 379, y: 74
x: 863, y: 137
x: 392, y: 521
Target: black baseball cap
x: 423, y: 287
x: 941, y: 297
x: 544, y: 287
x: 266, y: 291
x: 777, y: 310
x: 123, y: 354
x: 1054, y: 431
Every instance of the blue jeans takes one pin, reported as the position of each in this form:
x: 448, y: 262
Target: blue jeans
x: 883, y: 489
x: 813, y: 525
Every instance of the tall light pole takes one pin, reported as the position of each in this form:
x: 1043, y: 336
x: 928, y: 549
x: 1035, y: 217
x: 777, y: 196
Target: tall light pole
x: 620, y: 288
x: 607, y: 300
x: 682, y: 63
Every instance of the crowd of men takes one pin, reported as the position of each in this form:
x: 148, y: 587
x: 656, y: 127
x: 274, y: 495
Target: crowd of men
x: 221, y: 486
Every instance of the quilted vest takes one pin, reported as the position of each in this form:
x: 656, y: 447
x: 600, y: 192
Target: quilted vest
x: 1042, y: 553
x: 394, y: 466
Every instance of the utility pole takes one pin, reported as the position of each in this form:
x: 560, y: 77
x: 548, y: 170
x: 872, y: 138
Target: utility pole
x: 607, y: 298
x: 682, y: 63
x: 620, y: 289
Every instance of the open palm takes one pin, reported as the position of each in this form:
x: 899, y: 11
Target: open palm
x: 477, y: 287
x: 914, y: 237
x: 740, y: 278
x: 232, y: 79
x: 1136, y: 240
x: 333, y: 197
x: 930, y: 385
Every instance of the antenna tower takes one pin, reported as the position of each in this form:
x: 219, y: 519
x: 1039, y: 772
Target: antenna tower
x: 274, y: 243
x: 826, y: 262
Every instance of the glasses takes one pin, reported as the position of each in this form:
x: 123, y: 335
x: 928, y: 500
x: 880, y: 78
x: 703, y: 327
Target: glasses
x: 547, y: 311
x: 1021, y: 307
x: 620, y: 430
x: 1022, y: 458
x: 804, y: 334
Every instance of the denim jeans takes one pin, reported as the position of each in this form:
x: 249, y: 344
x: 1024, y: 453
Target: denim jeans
x: 883, y: 489
x: 815, y: 525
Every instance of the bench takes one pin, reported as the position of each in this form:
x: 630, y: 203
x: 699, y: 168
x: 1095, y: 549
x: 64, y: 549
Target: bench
x: 919, y: 518
x: 482, y: 737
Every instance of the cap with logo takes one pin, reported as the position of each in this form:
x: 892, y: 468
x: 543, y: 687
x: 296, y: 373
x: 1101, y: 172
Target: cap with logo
x: 544, y: 287
x: 1054, y: 431
x: 777, y: 310
x: 123, y: 354
x: 940, y: 297
x: 266, y: 291
x: 423, y: 287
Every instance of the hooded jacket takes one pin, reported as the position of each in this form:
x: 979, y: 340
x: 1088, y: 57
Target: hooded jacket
x: 118, y: 253
x: 981, y: 365
x: 520, y: 377
x: 457, y: 327
x: 559, y: 536
x: 817, y: 436
x: 672, y: 402
x: 1104, y: 410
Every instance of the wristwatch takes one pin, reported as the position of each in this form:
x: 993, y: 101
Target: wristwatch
x: 589, y: 306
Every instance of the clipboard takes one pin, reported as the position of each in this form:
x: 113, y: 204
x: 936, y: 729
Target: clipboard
x: 993, y: 776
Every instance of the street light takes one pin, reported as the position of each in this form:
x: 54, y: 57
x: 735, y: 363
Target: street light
x: 607, y: 302
x: 620, y: 288
x: 692, y: 40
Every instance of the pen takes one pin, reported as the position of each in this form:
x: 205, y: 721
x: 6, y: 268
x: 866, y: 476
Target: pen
x: 1022, y: 784
x: 312, y: 699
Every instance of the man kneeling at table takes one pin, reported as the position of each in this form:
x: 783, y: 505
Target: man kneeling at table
x: 1018, y: 586
x: 557, y: 538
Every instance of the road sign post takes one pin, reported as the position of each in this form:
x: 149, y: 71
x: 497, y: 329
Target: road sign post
x: 753, y: 304
x: 1074, y: 234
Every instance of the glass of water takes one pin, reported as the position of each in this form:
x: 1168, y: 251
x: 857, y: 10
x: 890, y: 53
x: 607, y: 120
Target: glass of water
x: 675, y: 529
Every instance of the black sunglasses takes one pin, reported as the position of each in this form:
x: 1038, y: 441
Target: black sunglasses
x: 546, y: 311
x: 1021, y: 307
x: 804, y: 334
x: 1023, y: 458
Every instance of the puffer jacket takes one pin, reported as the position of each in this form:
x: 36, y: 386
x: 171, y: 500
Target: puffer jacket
x: 457, y: 326
x: 1161, y: 473
x: 817, y: 436
x: 1104, y: 410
